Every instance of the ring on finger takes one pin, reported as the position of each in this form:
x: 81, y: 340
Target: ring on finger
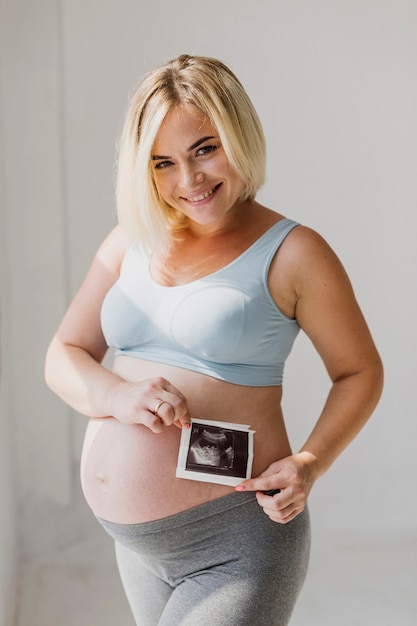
x: 158, y: 406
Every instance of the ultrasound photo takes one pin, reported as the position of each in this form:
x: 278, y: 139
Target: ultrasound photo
x: 216, y: 452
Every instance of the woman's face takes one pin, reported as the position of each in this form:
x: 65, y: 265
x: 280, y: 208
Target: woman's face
x: 191, y: 170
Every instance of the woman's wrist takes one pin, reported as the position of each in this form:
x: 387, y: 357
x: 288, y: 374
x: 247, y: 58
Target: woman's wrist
x: 311, y: 465
x: 111, y: 395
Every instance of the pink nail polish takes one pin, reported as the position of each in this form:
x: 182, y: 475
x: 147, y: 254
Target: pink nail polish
x: 240, y: 488
x: 187, y: 425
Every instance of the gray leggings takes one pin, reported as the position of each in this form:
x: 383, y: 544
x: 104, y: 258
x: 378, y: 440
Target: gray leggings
x: 224, y: 563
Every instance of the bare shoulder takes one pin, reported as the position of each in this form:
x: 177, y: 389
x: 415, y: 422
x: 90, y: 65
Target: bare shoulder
x: 111, y: 252
x: 305, y: 266
x: 305, y: 244
x: 306, y: 257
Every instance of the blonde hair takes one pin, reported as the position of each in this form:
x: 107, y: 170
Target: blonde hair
x: 209, y: 85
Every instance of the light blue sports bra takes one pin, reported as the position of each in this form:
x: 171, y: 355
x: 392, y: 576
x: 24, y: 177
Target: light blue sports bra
x: 225, y: 325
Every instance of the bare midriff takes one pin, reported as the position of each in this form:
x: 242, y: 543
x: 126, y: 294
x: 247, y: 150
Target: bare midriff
x: 128, y: 472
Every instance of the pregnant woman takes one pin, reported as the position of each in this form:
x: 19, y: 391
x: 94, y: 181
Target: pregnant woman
x: 201, y: 292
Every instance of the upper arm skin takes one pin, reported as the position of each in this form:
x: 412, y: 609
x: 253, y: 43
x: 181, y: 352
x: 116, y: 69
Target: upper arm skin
x: 81, y: 325
x: 309, y: 283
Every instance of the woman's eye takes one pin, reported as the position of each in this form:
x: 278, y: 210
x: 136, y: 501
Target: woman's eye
x: 206, y: 150
x: 162, y: 165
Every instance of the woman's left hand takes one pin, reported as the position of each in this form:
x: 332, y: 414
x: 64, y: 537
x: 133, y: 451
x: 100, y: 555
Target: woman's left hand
x: 293, y: 477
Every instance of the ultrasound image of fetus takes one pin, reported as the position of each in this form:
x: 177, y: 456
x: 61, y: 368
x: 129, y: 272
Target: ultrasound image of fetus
x: 213, y: 449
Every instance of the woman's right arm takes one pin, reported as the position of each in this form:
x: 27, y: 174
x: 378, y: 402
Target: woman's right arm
x: 73, y: 368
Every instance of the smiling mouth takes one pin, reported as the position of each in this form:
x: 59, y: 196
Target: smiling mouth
x: 204, y: 195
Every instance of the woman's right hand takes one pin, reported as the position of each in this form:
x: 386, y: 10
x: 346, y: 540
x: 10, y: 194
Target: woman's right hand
x: 154, y: 403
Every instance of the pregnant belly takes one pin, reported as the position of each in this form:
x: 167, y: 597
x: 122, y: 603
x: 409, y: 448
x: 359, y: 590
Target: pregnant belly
x: 128, y: 472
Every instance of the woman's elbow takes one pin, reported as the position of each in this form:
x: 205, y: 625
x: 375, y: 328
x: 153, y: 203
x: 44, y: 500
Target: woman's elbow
x: 51, y: 366
x: 375, y: 376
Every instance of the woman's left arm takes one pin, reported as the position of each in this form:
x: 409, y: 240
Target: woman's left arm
x: 308, y: 276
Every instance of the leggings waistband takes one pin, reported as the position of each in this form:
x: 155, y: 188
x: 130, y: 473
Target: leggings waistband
x: 195, y: 514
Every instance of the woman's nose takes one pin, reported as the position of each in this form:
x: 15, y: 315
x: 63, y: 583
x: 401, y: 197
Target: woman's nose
x: 191, y: 176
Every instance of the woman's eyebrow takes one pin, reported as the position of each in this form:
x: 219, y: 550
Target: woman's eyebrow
x: 158, y: 157
x: 200, y: 141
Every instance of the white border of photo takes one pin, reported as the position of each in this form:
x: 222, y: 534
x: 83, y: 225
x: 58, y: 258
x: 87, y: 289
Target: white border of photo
x: 186, y: 434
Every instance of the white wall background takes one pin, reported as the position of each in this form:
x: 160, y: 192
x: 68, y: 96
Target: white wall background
x: 335, y: 84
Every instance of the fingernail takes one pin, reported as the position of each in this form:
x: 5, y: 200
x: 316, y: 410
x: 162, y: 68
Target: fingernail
x: 187, y: 425
x: 240, y: 488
